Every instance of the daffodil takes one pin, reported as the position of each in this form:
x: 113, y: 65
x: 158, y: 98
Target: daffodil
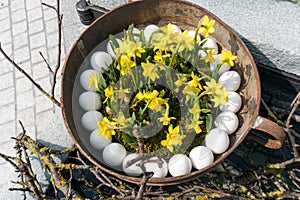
x: 165, y: 119
x: 121, y: 120
x: 150, y: 70
x: 206, y: 26
x: 210, y: 56
x: 173, y: 138
x: 195, y: 81
x: 130, y: 48
x: 218, y: 92
x: 195, y: 110
x: 180, y: 81
x: 106, y: 127
x: 108, y: 93
x: 186, y: 41
x: 156, y: 103
x: 190, y: 91
x: 227, y: 58
x: 195, y: 124
x: 122, y: 92
x: 93, y: 82
x: 126, y: 64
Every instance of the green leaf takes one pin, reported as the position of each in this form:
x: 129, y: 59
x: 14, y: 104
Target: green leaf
x: 209, y: 122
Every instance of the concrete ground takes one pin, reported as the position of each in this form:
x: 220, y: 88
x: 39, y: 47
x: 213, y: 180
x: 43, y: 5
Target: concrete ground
x: 26, y: 27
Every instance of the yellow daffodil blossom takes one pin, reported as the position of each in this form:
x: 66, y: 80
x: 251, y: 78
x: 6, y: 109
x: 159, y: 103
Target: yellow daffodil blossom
x: 190, y: 92
x: 165, y: 119
x: 206, y: 26
x: 195, y: 110
x: 160, y: 57
x: 186, y: 41
x: 195, y: 125
x: 150, y: 70
x: 173, y: 138
x: 227, y: 58
x: 106, y: 127
x: 218, y: 92
x: 126, y: 64
x: 195, y: 81
x: 93, y: 82
x: 122, y: 92
x: 130, y: 48
x: 210, y: 56
x: 121, y: 120
x: 181, y: 80
x: 108, y: 93
x: 156, y: 103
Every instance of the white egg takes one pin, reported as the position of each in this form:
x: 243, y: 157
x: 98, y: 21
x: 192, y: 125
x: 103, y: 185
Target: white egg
x: 231, y: 80
x: 132, y: 170
x: 99, y: 141
x: 209, y: 43
x: 179, y: 164
x: 227, y: 121
x: 159, y: 172
x: 113, y: 154
x: 192, y: 33
x: 176, y: 28
x: 217, y: 140
x: 90, y: 120
x: 90, y: 101
x: 100, y: 60
x: 201, y: 157
x: 223, y: 68
x: 233, y: 104
x: 85, y: 78
x: 110, y: 49
x: 149, y: 30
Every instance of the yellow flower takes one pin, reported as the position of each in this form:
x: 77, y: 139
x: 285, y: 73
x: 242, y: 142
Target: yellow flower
x: 93, y: 80
x: 210, y: 56
x: 106, y: 127
x: 219, y: 93
x: 181, y: 80
x: 108, y: 93
x: 227, y: 58
x: 122, y: 92
x: 195, y: 81
x: 206, y: 26
x: 173, y: 138
x: 195, y: 125
x: 121, y: 120
x: 151, y: 95
x: 126, y: 64
x: 186, y: 41
x: 150, y: 70
x: 130, y: 48
x: 195, y: 110
x: 190, y: 91
x: 160, y: 57
x: 157, y: 103
x: 165, y: 119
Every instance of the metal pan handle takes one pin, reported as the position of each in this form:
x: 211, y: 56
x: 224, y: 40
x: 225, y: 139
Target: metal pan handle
x: 269, y: 127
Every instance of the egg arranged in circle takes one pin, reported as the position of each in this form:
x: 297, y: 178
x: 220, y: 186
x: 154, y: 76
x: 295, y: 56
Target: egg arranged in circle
x: 227, y: 121
x: 179, y: 164
x: 110, y: 49
x: 132, y: 170
x: 99, y: 141
x: 233, y: 104
x: 217, y: 140
x: 201, y: 157
x: 90, y: 101
x: 231, y: 80
x: 149, y: 30
x: 100, y: 60
x: 113, y: 154
x: 90, y: 120
x: 85, y: 79
x: 159, y: 171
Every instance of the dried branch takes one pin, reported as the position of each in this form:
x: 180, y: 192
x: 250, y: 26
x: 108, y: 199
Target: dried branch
x: 59, y: 36
x: 47, y: 64
x: 52, y: 98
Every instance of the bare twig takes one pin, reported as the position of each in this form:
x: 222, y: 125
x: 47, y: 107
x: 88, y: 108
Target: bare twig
x: 59, y: 36
x: 52, y: 98
x: 47, y: 64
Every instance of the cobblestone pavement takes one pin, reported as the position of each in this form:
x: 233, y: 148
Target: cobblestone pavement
x: 26, y: 28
